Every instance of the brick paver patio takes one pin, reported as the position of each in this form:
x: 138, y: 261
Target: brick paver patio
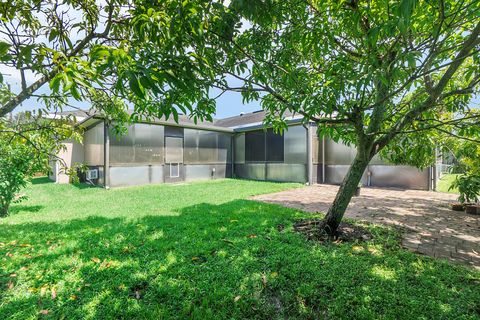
x: 430, y: 227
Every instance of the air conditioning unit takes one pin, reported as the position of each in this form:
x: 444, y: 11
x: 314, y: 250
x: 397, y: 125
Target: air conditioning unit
x: 92, y: 174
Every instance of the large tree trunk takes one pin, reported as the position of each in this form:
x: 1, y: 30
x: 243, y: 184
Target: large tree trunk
x: 4, y: 210
x: 345, y: 193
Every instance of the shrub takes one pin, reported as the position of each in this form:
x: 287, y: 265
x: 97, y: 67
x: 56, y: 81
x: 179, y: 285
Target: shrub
x: 468, y: 186
x: 17, y: 164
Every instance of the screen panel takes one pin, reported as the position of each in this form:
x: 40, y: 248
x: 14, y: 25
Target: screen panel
x: 142, y: 144
x: 156, y: 143
x: 191, y: 151
x: 207, y: 146
x: 399, y: 177
x: 224, y: 148
x: 143, y: 147
x: 173, y: 150
x: 275, y: 146
x: 255, y: 146
x: 338, y: 153
x: 239, y: 147
x: 122, y: 149
x: 171, y: 131
x: 296, y: 145
x: 93, y: 141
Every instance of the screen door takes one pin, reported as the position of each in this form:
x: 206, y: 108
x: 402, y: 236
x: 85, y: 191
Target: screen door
x: 174, y: 155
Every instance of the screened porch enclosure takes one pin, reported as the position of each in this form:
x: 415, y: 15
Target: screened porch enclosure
x: 331, y: 161
x: 266, y: 155
x: 151, y: 153
x: 161, y: 153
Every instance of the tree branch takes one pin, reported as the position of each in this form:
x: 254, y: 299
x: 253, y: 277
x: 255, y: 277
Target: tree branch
x: 435, y: 94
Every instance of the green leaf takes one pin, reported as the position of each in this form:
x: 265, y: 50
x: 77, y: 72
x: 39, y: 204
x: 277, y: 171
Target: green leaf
x: 4, y: 46
x: 53, y: 34
x: 75, y: 93
x: 55, y: 83
x: 136, y: 86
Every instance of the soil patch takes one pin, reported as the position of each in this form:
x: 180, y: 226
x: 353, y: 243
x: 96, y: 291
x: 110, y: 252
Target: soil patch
x: 346, y: 232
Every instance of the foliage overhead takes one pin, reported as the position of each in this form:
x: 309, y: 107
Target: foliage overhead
x: 85, y: 49
x: 375, y: 70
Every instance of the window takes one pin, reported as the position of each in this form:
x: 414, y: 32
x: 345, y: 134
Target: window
x: 275, y: 146
x: 174, y: 170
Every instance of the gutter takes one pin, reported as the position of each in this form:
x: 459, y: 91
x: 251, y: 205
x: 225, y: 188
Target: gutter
x: 261, y: 125
x: 166, y: 123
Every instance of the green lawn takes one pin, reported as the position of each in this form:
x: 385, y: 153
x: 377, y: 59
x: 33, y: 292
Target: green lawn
x: 445, y: 182
x: 203, y: 251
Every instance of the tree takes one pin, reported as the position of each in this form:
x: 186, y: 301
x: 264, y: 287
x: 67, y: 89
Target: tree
x: 381, y: 75
x: 81, y: 47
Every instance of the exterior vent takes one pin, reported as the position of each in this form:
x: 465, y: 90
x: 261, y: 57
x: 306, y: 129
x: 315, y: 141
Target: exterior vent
x: 92, y: 174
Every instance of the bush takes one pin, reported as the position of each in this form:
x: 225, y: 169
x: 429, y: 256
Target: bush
x: 18, y: 163
x: 468, y: 186
x: 27, y: 144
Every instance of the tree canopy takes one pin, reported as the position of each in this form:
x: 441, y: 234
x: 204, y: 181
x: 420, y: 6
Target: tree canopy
x: 85, y: 50
x: 386, y: 76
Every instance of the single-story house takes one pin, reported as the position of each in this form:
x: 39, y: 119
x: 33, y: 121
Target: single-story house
x: 162, y: 151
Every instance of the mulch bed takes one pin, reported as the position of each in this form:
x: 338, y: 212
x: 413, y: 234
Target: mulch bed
x: 346, y: 232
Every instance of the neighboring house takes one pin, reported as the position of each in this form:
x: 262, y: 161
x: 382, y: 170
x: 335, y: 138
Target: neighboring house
x: 160, y: 150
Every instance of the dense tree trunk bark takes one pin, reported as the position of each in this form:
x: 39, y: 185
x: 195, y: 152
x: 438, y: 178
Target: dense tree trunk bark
x: 345, y: 193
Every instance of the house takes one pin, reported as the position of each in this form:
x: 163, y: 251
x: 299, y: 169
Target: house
x: 162, y: 151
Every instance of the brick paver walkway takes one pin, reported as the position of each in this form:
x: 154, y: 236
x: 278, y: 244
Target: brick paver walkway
x: 430, y: 227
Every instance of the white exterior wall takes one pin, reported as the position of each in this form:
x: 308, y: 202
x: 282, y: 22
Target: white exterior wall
x: 73, y: 153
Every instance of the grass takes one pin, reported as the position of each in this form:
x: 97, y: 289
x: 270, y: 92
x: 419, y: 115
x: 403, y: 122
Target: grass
x: 204, y: 251
x: 445, y: 182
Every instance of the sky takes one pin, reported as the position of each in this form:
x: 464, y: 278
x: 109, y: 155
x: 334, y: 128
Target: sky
x: 229, y: 104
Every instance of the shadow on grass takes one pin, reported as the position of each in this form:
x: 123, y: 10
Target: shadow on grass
x: 41, y: 180
x: 218, y: 261
x: 83, y: 185
x: 19, y: 208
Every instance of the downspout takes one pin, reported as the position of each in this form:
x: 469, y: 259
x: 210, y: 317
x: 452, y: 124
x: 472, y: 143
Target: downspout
x: 323, y: 159
x: 106, y: 155
x: 265, y: 158
x: 309, y: 155
x: 232, y: 155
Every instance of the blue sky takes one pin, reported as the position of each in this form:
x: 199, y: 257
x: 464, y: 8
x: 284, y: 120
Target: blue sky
x: 229, y: 104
